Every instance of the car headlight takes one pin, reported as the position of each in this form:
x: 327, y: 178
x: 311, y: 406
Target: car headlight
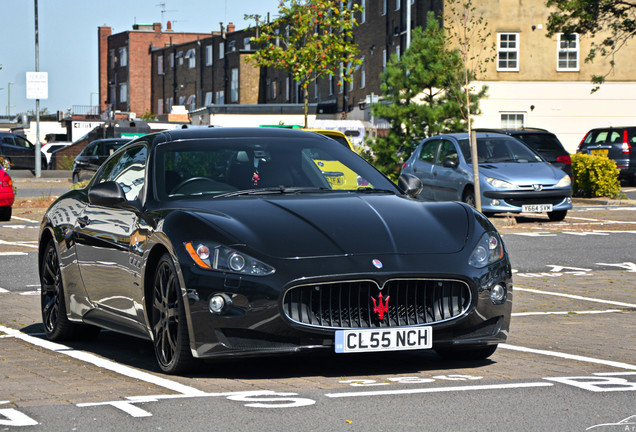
x: 564, y: 182
x: 499, y: 184
x: 214, y: 256
x: 489, y: 249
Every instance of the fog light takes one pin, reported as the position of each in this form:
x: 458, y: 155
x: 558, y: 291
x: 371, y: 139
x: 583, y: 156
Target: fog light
x: 237, y: 262
x: 569, y: 200
x: 217, y: 303
x: 498, y: 294
x: 495, y: 202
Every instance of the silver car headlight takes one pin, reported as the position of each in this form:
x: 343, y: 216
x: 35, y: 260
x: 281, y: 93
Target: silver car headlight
x: 489, y: 249
x: 215, y: 256
x: 499, y: 184
x: 564, y: 182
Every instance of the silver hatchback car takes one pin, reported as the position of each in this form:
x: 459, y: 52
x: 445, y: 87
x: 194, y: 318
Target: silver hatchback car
x: 512, y: 177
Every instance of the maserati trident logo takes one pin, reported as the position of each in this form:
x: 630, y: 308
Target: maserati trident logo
x: 377, y: 263
x: 537, y: 187
x: 382, y: 308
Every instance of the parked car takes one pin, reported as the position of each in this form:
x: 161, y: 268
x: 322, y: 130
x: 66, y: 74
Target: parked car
x: 7, y: 195
x: 227, y: 242
x: 617, y: 143
x: 49, y: 148
x: 543, y: 142
x: 93, y: 156
x: 19, y: 151
x: 512, y: 178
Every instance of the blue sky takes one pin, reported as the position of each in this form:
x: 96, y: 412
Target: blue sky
x: 68, y: 40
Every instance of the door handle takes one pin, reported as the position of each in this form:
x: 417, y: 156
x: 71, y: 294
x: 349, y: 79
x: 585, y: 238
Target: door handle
x: 83, y: 221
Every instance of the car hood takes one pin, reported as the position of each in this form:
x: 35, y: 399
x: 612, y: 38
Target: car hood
x: 522, y: 173
x: 319, y: 226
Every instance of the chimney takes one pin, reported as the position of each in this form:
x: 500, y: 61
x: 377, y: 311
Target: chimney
x: 156, y: 27
x: 231, y: 28
x: 169, y: 26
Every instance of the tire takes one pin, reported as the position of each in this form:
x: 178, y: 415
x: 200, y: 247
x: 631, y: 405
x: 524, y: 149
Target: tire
x: 5, y: 214
x: 467, y: 353
x: 169, y: 326
x: 469, y: 198
x: 557, y: 215
x: 75, y: 178
x: 53, y: 306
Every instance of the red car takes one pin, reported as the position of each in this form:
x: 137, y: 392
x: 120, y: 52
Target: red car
x: 7, y: 196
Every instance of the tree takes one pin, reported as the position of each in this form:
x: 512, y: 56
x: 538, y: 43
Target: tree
x: 423, y: 95
x: 614, y: 19
x: 312, y: 39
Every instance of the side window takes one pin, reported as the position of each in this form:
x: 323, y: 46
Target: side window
x: 92, y: 149
x: 21, y: 142
x: 129, y: 170
x: 447, y: 151
x: 8, y: 140
x: 427, y: 153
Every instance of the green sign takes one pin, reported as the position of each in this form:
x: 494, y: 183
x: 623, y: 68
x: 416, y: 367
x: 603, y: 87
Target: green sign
x: 132, y: 134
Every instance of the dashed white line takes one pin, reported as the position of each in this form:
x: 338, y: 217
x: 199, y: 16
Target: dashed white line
x: 576, y: 297
x: 519, y: 314
x: 569, y: 356
x: 438, y: 390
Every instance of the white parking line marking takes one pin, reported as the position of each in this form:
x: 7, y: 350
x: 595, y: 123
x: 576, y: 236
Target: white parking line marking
x: 2, y: 290
x: 569, y: 356
x: 13, y: 253
x: 19, y: 244
x: 615, y: 303
x: 438, y: 390
x: 567, y: 313
x: 24, y: 219
x: 103, y: 363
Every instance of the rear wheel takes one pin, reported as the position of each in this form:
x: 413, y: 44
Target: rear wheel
x: 56, y: 324
x: 75, y: 178
x: 467, y: 353
x: 5, y: 213
x: 557, y: 215
x: 169, y: 327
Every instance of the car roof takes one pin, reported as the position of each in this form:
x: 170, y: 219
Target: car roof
x: 234, y: 132
x: 516, y: 131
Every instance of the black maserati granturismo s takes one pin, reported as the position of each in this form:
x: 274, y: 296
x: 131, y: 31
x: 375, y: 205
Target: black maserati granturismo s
x: 214, y: 242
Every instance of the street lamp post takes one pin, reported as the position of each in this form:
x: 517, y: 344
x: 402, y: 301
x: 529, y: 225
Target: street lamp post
x: 9, y: 99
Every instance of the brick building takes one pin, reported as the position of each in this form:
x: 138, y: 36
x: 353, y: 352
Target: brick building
x: 125, y: 65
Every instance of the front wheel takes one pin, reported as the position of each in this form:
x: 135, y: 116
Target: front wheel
x: 57, y: 326
x: 557, y: 215
x: 169, y: 327
x: 469, y: 198
x: 467, y: 353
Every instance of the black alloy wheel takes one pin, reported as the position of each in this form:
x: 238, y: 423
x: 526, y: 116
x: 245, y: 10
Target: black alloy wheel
x: 57, y: 326
x: 169, y: 327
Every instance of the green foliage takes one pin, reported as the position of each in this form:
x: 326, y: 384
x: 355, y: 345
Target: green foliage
x: 614, y: 18
x: 80, y: 185
x: 423, y: 96
x: 310, y: 40
x: 65, y: 163
x: 148, y: 116
x: 595, y: 176
x: 4, y: 163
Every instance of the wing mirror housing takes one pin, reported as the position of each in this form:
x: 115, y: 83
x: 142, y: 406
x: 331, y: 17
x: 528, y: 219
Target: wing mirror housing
x: 107, y: 194
x: 410, y: 184
x: 449, y: 164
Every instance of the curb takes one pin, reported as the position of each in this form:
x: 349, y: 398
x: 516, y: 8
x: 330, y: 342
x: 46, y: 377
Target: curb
x: 28, y: 174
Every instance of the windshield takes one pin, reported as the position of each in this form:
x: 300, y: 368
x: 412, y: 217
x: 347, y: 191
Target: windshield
x: 493, y: 149
x: 247, y: 166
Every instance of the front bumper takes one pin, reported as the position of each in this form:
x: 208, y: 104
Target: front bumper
x: 513, y: 201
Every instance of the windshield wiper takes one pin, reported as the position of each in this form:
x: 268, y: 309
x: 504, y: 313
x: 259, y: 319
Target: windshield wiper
x: 273, y: 190
x: 373, y: 190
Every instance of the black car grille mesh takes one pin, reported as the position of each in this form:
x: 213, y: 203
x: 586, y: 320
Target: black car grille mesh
x: 351, y: 304
x: 518, y: 202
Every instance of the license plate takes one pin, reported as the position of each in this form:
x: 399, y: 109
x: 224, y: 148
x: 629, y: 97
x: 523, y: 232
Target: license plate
x: 536, y: 208
x: 335, y: 179
x: 600, y: 152
x: 393, y: 339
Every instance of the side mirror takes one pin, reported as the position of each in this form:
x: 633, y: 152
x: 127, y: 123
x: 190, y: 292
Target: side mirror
x: 410, y: 184
x: 107, y: 194
x: 447, y: 163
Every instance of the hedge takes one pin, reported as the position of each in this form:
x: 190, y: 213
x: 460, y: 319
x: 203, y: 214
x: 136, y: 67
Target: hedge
x: 595, y: 176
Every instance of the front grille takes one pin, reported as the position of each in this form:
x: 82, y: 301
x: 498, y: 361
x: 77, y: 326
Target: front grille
x: 349, y: 304
x: 518, y: 202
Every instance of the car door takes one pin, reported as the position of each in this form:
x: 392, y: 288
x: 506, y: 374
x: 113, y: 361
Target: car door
x: 82, y: 162
x: 19, y: 151
x: 109, y: 241
x: 447, y: 179
x: 423, y: 164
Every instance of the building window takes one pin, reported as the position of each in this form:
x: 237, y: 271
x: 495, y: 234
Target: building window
x: 123, y: 56
x: 331, y: 79
x: 397, y: 52
x: 111, y: 57
x: 397, y: 4
x: 363, y: 16
x: 568, y: 52
x: 287, y: 81
x: 191, y: 55
x: 123, y: 92
x: 182, y: 100
x: 179, y: 58
x: 246, y: 43
x: 363, y: 75
x: 513, y: 120
x: 383, y: 60
x: 208, y: 99
x: 316, y: 89
x: 231, y: 45
x: 384, y: 6
x: 221, y: 50
x: 160, y: 65
x: 234, y: 85
x: 274, y: 89
x: 159, y: 106
x: 191, y: 104
x: 209, y: 58
x: 171, y: 60
x: 169, y: 104
x: 220, y: 97
x: 508, y: 51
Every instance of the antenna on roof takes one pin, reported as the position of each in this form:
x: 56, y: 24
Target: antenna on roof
x: 163, y: 12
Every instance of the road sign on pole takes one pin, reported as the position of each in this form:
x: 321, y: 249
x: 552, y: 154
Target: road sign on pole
x: 37, y: 85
